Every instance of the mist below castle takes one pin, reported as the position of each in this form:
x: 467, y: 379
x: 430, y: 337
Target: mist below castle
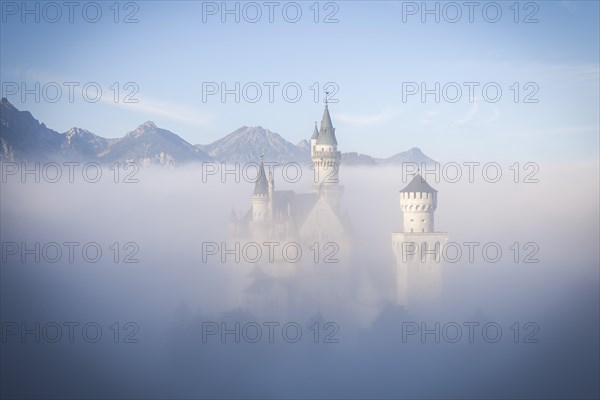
x: 170, y: 293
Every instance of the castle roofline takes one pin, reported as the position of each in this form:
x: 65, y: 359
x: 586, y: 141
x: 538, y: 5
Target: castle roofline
x: 418, y: 184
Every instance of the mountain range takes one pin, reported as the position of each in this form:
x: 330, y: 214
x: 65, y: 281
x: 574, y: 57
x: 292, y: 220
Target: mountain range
x: 23, y: 138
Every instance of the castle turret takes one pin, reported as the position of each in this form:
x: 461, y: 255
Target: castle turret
x: 417, y: 248
x: 260, y: 197
x: 418, y: 202
x: 326, y: 161
x: 313, y: 140
x: 326, y: 158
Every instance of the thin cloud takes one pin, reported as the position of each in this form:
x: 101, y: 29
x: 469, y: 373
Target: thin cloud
x: 495, y: 115
x: 569, y: 5
x: 151, y: 107
x: 474, y: 109
x: 164, y: 109
x: 583, y: 73
x: 572, y: 130
x: 429, y: 116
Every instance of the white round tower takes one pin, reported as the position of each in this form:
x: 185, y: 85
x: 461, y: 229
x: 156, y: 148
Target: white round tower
x: 418, y: 202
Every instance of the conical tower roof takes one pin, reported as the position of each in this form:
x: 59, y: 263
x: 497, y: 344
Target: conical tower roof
x: 315, y: 134
x: 418, y: 184
x: 327, y: 133
x: 261, y: 187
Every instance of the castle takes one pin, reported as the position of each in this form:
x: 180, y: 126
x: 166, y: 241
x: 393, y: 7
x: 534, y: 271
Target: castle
x: 315, y: 219
x: 306, y: 217
x: 313, y: 222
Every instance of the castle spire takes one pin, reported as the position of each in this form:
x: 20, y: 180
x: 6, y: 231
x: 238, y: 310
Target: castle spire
x: 327, y: 132
x: 261, y: 186
x: 326, y: 160
x: 315, y: 134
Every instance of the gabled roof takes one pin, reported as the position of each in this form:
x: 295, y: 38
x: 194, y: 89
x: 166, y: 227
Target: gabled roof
x: 418, y: 184
x: 319, y: 212
x: 302, y: 204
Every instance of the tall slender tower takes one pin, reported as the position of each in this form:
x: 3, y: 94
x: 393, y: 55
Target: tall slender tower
x: 261, y: 197
x: 418, y: 248
x: 326, y: 160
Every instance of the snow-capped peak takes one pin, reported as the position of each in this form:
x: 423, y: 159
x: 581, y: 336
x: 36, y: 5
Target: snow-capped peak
x: 148, y: 126
x: 75, y: 131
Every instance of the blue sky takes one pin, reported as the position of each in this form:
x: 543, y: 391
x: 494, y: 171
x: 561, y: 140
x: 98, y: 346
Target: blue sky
x: 170, y: 53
